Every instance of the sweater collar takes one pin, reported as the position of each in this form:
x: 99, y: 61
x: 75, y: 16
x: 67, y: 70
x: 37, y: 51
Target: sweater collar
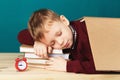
x: 74, y: 36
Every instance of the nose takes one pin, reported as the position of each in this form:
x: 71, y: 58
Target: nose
x: 59, y: 41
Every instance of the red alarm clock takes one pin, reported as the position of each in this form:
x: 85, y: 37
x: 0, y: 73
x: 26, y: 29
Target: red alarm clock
x: 21, y: 64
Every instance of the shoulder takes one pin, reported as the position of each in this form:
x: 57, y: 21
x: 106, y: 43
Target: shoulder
x: 79, y: 25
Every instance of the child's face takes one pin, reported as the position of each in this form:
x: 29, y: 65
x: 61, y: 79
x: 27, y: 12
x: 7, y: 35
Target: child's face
x: 59, y: 35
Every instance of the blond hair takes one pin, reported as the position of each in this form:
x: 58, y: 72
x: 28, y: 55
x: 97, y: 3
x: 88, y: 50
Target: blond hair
x: 36, y: 24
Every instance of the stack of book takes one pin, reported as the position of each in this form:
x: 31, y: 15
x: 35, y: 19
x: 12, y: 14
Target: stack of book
x: 34, y: 60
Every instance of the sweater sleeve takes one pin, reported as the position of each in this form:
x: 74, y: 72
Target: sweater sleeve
x: 85, y: 67
x: 24, y: 37
x: 78, y: 66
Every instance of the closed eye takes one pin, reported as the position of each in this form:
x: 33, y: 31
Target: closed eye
x: 59, y: 33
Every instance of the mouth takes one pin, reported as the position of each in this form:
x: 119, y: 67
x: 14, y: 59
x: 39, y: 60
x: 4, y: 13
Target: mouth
x: 66, y: 45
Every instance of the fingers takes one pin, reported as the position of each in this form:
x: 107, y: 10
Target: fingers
x: 40, y: 49
x: 52, y: 60
x: 42, y: 53
x: 56, y: 64
x: 49, y: 62
x: 49, y: 49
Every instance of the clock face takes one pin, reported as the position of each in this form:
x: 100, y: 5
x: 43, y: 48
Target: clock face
x: 22, y: 65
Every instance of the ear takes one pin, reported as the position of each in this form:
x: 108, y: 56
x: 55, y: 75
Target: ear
x: 64, y: 20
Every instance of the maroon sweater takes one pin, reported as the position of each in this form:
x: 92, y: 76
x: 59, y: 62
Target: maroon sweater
x: 81, y: 56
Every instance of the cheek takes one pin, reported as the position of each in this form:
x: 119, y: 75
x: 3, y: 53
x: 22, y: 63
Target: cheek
x: 57, y: 46
x: 67, y: 36
x: 67, y: 32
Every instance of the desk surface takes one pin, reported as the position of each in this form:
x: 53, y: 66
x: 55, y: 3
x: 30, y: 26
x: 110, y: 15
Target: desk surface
x: 8, y: 72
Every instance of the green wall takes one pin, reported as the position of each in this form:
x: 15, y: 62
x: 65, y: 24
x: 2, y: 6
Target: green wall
x: 14, y: 15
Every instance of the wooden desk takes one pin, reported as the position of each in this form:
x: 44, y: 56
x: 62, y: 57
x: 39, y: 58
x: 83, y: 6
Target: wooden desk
x: 8, y: 72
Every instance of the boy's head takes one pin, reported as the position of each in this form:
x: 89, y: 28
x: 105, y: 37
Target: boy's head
x: 38, y: 20
x: 51, y: 29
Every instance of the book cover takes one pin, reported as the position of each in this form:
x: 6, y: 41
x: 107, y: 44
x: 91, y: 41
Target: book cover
x: 29, y: 48
x: 36, y: 61
x: 32, y: 55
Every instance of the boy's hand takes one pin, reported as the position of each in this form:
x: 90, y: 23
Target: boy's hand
x: 56, y: 64
x: 41, y: 49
